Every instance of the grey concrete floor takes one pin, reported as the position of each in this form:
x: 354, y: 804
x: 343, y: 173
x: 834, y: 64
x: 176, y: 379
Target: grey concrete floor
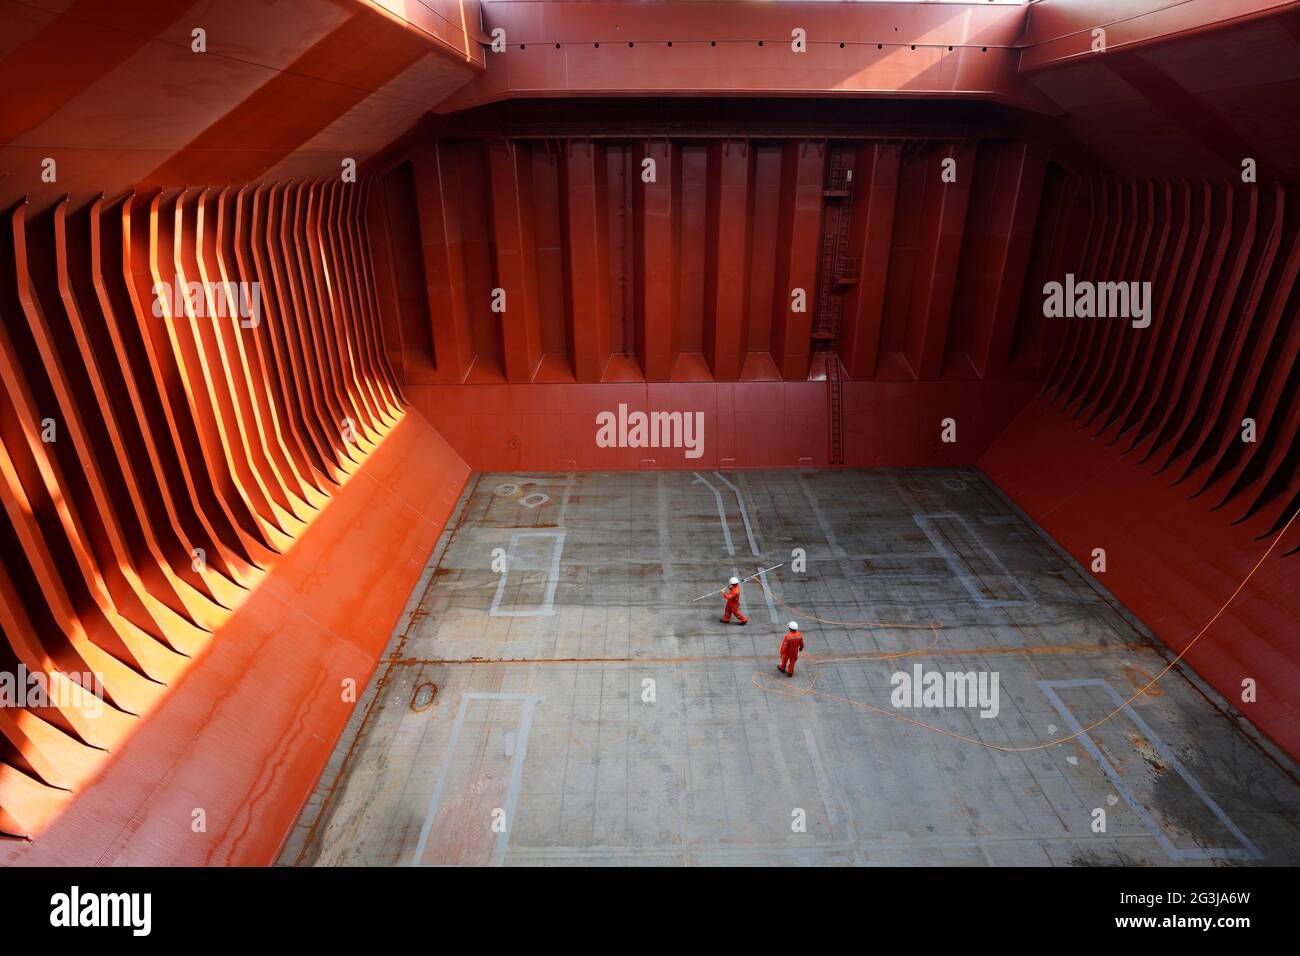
x: 578, y: 709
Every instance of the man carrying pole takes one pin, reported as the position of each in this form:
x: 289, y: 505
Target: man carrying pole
x: 732, y: 593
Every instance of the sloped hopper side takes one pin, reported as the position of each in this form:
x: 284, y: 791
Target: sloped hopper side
x: 216, y: 502
x: 1165, y: 458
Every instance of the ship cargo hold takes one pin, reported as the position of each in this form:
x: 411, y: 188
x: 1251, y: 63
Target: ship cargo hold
x: 389, y: 389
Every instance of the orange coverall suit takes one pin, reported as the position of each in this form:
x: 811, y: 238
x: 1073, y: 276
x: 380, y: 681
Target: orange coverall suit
x: 790, y: 648
x: 732, y: 594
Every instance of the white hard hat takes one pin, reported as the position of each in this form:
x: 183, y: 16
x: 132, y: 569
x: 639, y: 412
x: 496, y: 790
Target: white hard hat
x: 794, y: 626
x: 734, y: 581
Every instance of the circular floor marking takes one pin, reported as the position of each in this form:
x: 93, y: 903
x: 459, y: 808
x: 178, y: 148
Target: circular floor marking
x: 423, y: 695
x: 535, y: 500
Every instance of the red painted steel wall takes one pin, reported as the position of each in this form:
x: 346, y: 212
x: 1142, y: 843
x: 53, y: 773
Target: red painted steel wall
x: 746, y: 424
x: 1182, y: 89
x: 117, y: 97
x: 219, y: 512
x: 610, y: 278
x: 1136, y: 442
x: 583, y: 48
x: 658, y: 294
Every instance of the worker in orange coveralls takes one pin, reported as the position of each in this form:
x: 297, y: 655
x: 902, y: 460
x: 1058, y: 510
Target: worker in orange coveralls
x: 791, y: 645
x: 732, y: 593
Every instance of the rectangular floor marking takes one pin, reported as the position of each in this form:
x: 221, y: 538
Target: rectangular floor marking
x: 514, y: 562
x: 517, y: 750
x: 961, y: 565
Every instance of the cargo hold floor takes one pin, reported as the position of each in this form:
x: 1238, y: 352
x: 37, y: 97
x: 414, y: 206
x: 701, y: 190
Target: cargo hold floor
x: 555, y: 697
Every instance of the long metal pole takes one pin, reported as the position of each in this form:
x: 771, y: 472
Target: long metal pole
x: 742, y: 581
